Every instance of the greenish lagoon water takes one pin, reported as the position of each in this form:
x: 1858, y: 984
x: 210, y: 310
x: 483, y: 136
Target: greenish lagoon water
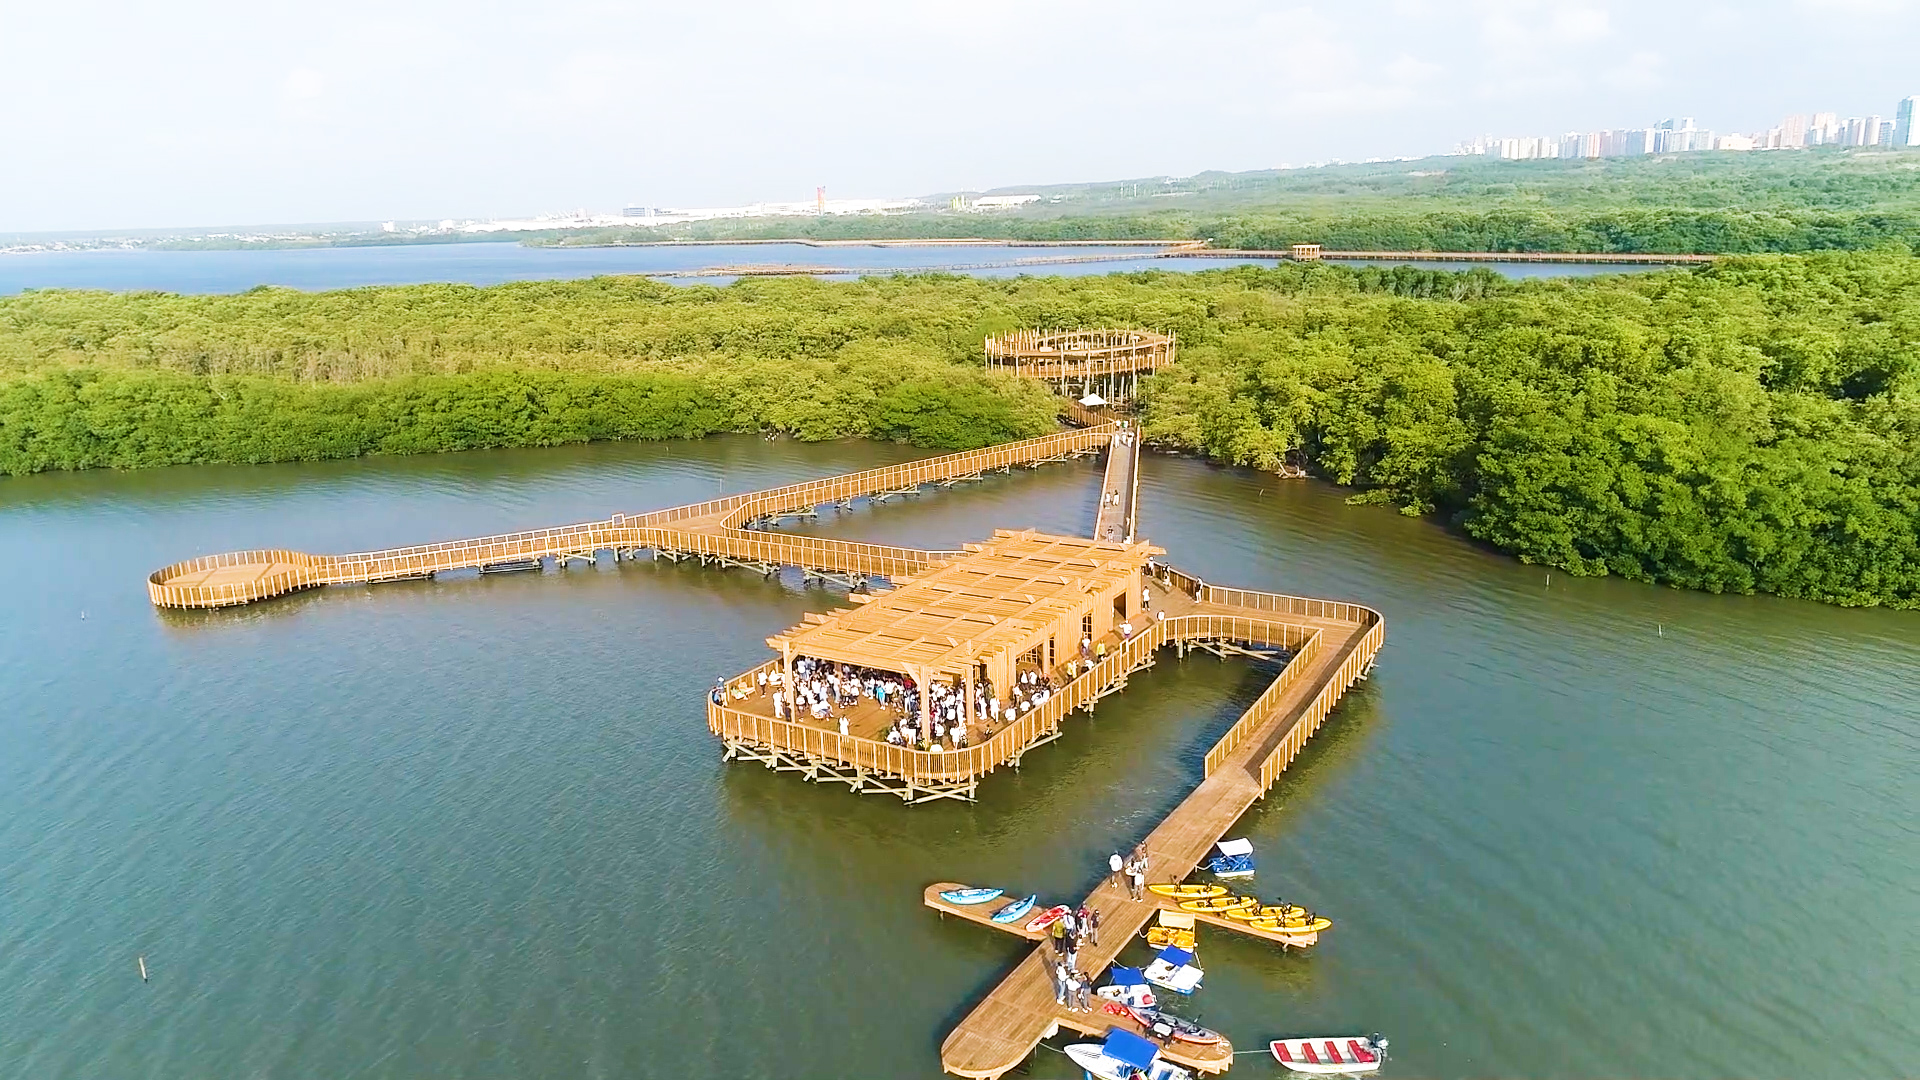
x: 476, y: 828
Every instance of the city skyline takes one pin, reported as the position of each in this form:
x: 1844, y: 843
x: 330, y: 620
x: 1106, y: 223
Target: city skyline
x: 1795, y: 131
x: 210, y: 112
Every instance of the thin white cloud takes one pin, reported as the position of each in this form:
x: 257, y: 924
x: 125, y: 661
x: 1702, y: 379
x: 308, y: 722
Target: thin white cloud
x: 1642, y: 71
x: 303, y: 84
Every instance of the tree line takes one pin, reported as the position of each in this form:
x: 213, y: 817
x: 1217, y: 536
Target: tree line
x: 1748, y: 426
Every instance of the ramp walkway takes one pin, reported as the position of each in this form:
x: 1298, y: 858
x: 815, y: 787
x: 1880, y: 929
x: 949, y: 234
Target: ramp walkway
x: 1119, y: 489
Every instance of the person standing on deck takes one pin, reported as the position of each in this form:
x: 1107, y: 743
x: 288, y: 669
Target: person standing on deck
x: 1146, y: 598
x: 1058, y: 933
x: 1114, y: 865
x: 1092, y: 920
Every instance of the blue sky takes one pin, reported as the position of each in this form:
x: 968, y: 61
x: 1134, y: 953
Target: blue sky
x: 202, y: 113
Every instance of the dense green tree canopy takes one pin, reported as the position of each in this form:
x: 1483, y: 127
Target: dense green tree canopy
x: 1748, y: 426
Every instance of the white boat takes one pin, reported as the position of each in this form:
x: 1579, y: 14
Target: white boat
x: 1125, y: 1056
x: 1174, y: 970
x: 1331, y: 1055
x: 1132, y: 995
x: 1234, y: 861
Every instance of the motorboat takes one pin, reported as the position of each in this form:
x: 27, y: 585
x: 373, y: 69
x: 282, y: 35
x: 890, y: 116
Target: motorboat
x: 1124, y: 1056
x: 1164, y: 1026
x: 1128, y: 987
x: 1174, y: 970
x: 1331, y: 1055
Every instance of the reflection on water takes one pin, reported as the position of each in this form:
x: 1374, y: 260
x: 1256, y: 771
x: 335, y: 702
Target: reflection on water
x: 476, y: 827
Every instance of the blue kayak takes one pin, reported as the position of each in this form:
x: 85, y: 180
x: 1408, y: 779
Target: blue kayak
x: 1015, y: 911
x: 971, y: 896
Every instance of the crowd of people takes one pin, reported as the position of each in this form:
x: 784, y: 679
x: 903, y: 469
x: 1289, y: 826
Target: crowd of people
x: 825, y: 692
x: 1130, y: 873
x: 1072, y: 987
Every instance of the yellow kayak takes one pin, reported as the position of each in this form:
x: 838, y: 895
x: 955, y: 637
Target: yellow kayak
x: 1219, y: 905
x: 1161, y: 937
x: 1307, y: 924
x: 1271, y: 911
x: 1189, y: 892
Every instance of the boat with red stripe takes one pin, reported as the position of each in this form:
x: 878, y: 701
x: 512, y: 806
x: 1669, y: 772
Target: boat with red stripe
x: 1331, y: 1055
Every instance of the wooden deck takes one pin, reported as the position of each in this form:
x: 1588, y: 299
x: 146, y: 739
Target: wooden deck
x: 1597, y: 257
x: 982, y: 914
x: 1004, y: 1028
x: 1117, y: 519
x: 712, y: 531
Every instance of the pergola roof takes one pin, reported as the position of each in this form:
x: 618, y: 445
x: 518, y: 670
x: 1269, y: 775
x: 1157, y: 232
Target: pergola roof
x: 1001, y: 596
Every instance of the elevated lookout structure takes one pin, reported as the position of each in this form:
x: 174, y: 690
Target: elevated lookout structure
x: 1081, y: 362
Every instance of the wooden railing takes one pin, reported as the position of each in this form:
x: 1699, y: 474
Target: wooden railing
x: 390, y: 563
x: 1279, y: 603
x: 1010, y: 742
x: 1263, y: 707
x: 1081, y: 416
x: 809, y: 552
x: 740, y: 509
x: 615, y: 534
x: 878, y: 755
x: 303, y: 574
x: 1352, y: 668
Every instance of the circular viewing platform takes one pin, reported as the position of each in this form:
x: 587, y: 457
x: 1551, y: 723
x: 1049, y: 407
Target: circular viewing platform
x: 1080, y: 355
x: 238, y: 577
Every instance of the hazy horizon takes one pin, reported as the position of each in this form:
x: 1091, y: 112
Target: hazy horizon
x: 213, y: 114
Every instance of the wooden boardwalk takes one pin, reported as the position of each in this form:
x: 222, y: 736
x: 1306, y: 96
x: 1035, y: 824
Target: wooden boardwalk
x: 714, y: 531
x: 1005, y: 1027
x: 1119, y: 490
x: 1596, y: 257
x: 1328, y: 645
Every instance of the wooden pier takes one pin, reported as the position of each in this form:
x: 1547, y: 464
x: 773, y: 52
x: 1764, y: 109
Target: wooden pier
x: 1594, y: 257
x: 1120, y: 489
x: 1083, y: 613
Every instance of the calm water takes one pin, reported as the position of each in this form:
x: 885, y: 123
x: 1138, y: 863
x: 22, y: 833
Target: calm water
x: 490, y: 264
x: 476, y: 828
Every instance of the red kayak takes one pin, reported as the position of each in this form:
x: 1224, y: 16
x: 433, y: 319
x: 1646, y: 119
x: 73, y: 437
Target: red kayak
x: 1047, y: 918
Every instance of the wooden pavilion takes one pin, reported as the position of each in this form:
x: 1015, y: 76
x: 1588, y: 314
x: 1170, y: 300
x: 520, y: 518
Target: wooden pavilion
x: 1020, y: 597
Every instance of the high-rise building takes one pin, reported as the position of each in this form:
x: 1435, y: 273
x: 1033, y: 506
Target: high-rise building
x: 1905, y: 132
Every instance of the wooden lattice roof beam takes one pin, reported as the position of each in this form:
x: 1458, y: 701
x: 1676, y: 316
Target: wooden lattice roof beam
x: 1000, y: 596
